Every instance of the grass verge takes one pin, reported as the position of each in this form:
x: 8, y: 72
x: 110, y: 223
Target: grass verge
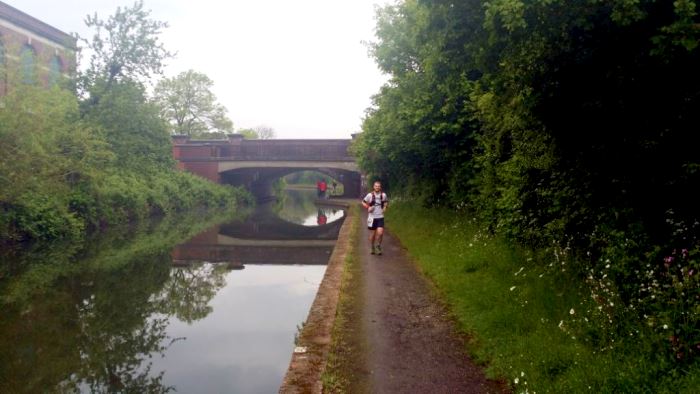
x: 525, y: 312
x: 341, y: 374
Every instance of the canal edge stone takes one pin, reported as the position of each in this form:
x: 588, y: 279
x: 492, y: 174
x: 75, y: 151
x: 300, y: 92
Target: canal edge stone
x: 304, y: 372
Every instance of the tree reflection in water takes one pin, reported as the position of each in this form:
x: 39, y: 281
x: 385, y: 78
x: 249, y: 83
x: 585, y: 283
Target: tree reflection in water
x: 92, y: 324
x: 189, y: 290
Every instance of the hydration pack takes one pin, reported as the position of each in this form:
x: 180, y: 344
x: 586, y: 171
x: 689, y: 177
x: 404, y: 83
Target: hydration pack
x: 382, y: 199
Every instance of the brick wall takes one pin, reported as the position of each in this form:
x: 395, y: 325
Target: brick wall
x: 19, y: 31
x: 206, y: 170
x: 333, y: 150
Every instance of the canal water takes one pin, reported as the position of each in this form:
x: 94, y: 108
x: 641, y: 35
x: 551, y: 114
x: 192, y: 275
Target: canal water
x: 172, y: 306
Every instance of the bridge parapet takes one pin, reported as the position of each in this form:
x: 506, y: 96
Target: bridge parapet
x: 235, y: 148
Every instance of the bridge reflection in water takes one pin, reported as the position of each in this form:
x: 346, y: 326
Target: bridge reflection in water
x: 263, y: 238
x: 245, y: 342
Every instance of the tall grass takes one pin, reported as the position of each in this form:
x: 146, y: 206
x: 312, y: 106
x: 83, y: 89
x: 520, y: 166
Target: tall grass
x: 529, y: 314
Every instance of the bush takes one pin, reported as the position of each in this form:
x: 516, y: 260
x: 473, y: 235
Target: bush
x: 43, y: 217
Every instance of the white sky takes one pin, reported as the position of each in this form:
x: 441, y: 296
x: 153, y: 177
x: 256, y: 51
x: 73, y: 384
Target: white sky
x: 297, y: 66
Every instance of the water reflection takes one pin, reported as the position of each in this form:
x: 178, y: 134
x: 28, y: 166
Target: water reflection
x: 87, y: 330
x: 128, y: 312
x: 298, y: 206
x: 245, y: 344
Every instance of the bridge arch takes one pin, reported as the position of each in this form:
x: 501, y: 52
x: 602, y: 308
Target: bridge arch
x: 259, y: 180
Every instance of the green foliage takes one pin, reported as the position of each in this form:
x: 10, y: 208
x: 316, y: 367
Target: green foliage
x: 125, y: 52
x: 41, y: 216
x: 257, y: 132
x: 264, y: 132
x: 110, y: 298
x: 132, y: 126
x: 530, y: 318
x: 70, y: 164
x: 248, y: 134
x: 46, y: 150
x: 308, y: 178
x: 421, y: 129
x: 558, y: 123
x: 45, y: 144
x: 124, y: 47
x: 189, y: 106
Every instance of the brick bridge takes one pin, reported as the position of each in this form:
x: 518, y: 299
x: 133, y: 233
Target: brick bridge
x: 257, y: 163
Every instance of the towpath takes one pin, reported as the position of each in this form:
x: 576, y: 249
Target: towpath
x: 411, y: 342
x: 393, y: 335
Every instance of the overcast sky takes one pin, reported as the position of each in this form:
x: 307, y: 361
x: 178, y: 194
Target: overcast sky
x: 297, y: 66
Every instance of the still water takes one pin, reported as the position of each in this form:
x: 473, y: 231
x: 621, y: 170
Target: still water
x: 185, y: 306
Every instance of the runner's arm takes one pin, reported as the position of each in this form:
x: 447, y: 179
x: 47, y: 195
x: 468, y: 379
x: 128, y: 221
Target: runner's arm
x: 365, y: 203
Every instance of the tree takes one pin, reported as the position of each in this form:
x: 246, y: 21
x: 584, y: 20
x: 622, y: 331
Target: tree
x: 248, y: 134
x: 556, y: 122
x: 187, y: 103
x: 133, y: 127
x: 264, y: 132
x: 125, y: 54
x: 125, y: 46
x: 257, y: 133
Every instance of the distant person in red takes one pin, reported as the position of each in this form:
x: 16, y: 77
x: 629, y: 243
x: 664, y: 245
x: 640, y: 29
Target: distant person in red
x: 321, y: 218
x: 322, y: 187
x: 318, y: 188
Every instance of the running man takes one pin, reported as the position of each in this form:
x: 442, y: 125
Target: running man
x: 376, y: 204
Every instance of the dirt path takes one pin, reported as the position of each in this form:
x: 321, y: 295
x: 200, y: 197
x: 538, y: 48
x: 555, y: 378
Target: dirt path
x: 411, y: 344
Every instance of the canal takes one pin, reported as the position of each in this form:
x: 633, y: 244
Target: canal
x: 180, y: 306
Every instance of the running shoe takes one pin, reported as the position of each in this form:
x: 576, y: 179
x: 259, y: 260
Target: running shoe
x: 379, y: 249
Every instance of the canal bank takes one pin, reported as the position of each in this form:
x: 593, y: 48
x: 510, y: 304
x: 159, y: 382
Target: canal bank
x: 378, y: 326
x: 314, y: 340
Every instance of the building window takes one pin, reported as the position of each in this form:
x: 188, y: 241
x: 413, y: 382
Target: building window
x: 55, y: 67
x: 28, y: 64
x: 3, y: 72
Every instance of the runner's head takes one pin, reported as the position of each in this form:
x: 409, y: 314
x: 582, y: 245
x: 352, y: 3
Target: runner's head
x: 377, y: 186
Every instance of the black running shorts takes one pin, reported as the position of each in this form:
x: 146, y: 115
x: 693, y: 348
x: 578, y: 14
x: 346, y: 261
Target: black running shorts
x: 376, y: 223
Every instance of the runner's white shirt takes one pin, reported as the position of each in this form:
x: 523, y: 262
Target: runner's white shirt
x: 377, y: 211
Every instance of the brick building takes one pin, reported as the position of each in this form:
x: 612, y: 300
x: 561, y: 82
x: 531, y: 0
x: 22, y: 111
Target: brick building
x: 38, y: 52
